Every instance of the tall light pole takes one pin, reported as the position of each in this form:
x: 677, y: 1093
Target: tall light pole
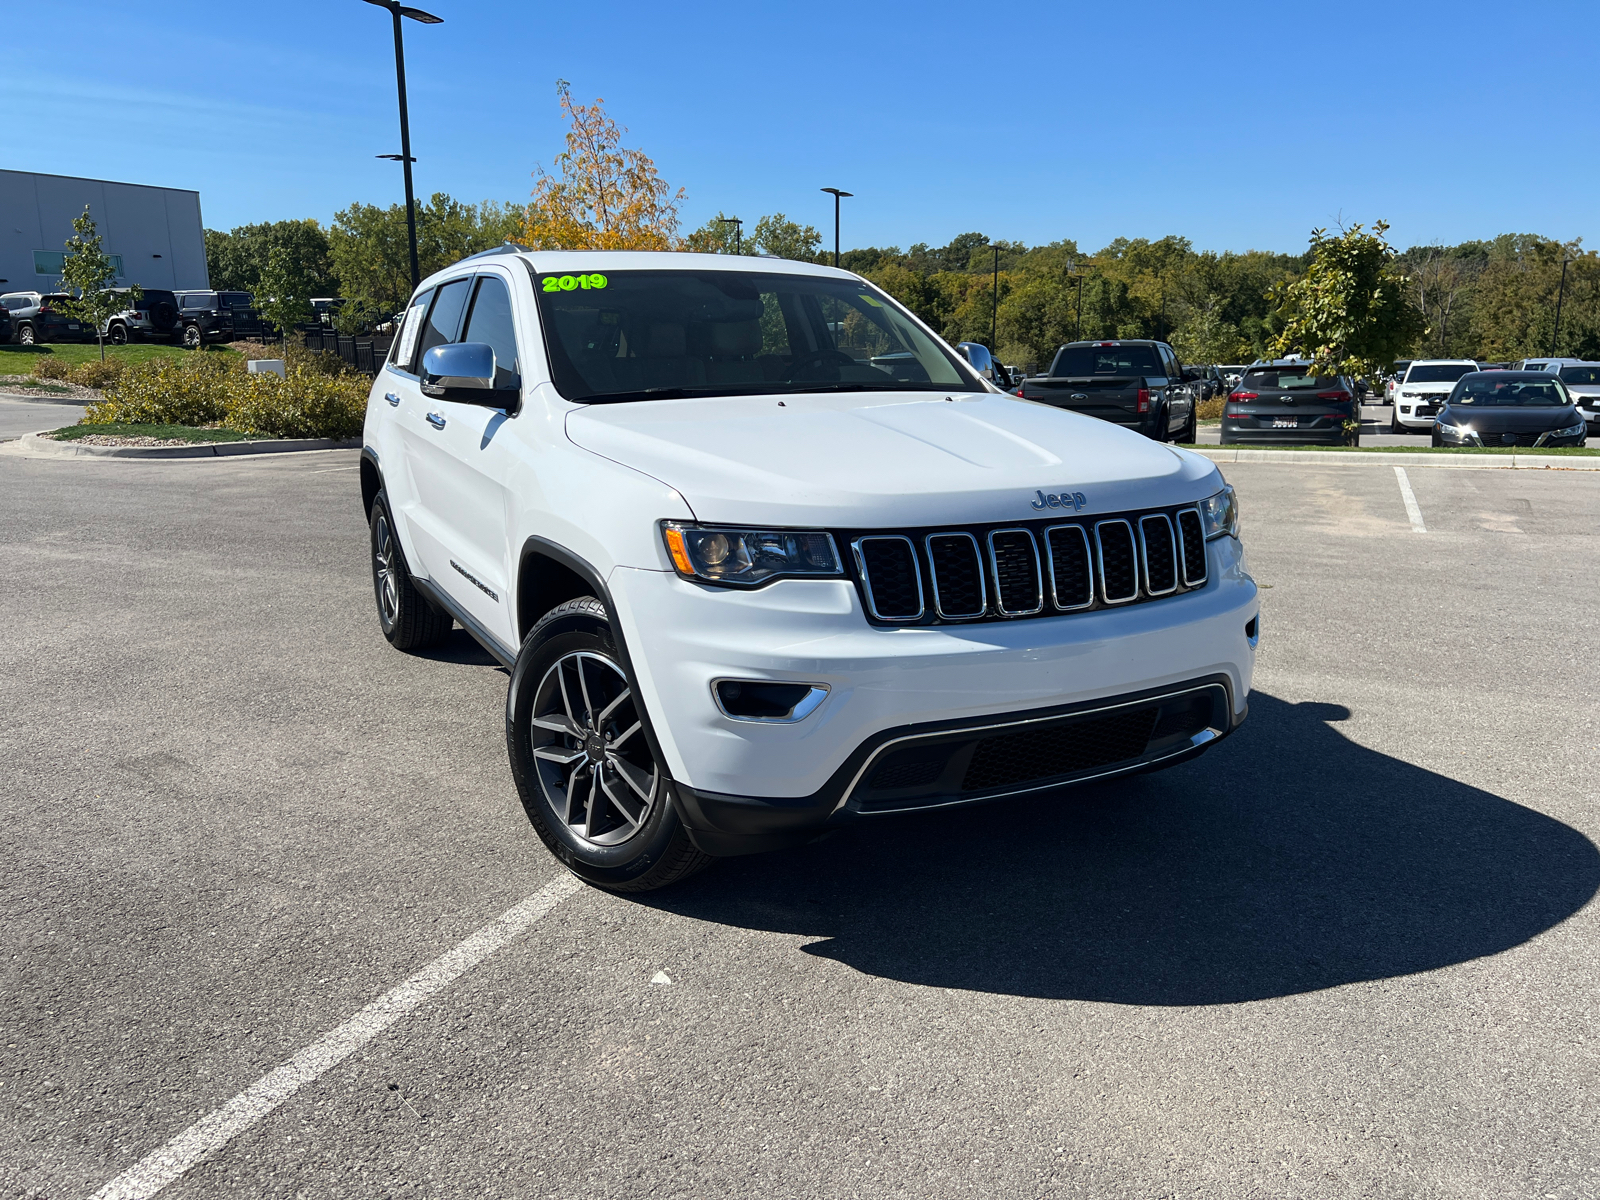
x: 837, y: 196
x: 738, y: 229
x: 398, y: 10
x: 1560, y: 294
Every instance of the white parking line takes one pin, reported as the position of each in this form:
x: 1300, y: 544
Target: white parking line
x: 213, y: 1131
x: 1410, y: 498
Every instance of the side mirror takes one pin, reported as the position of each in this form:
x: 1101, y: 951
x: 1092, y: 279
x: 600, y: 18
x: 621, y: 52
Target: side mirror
x: 462, y: 372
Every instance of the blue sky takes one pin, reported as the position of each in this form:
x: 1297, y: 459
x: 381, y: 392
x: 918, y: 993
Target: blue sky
x: 1237, y: 124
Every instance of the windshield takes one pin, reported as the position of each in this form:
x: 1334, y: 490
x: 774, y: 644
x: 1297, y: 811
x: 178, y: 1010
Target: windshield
x: 1288, y: 379
x: 1439, y: 372
x: 1491, y: 390
x: 1107, y: 360
x: 1582, y: 376
x: 654, y: 335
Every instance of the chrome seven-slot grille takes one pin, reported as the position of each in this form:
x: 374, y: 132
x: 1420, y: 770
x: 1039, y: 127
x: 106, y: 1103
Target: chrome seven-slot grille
x: 1031, y: 569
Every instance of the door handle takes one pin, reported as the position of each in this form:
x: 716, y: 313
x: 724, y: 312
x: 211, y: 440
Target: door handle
x: 394, y: 401
x: 436, y: 420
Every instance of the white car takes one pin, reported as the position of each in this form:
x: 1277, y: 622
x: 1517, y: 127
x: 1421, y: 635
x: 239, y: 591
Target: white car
x: 1392, y: 384
x: 1422, y: 389
x: 1583, y: 384
x: 765, y: 557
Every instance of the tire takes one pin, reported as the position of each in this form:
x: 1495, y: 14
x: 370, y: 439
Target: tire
x: 1191, y: 431
x: 588, y: 779
x: 1394, y: 421
x: 25, y: 336
x: 406, y: 617
x: 118, y: 335
x: 193, y: 339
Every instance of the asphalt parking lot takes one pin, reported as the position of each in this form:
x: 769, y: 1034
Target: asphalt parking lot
x: 1350, y: 953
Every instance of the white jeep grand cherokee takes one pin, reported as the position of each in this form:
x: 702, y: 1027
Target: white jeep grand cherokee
x: 766, y: 557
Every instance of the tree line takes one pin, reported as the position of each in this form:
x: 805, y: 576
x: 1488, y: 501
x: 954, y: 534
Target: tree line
x: 1492, y: 300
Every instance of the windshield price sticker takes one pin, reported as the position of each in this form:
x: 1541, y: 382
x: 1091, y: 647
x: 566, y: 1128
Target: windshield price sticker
x: 571, y: 283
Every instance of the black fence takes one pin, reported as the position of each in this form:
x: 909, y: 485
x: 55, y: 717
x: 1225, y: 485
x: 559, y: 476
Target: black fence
x: 365, y: 354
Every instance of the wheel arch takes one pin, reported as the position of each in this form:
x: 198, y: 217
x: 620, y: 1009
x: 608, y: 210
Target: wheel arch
x: 371, y: 480
x: 546, y: 569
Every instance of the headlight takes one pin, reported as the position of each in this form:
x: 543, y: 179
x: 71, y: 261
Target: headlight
x: 1458, y: 433
x: 749, y: 556
x: 1578, y: 430
x: 1220, y: 513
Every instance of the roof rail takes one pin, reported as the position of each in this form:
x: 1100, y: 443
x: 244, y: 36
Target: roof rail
x: 507, y: 248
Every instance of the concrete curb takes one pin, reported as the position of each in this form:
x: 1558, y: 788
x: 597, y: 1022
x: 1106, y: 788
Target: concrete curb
x: 1357, y: 458
x: 34, y: 445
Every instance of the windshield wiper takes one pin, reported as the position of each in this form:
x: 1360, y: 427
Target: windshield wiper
x: 860, y: 387
x: 655, y: 393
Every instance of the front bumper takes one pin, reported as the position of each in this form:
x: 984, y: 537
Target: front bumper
x: 1418, y: 414
x: 882, y: 683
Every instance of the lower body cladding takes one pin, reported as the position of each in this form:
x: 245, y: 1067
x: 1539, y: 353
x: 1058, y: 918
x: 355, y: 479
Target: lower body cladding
x: 927, y: 717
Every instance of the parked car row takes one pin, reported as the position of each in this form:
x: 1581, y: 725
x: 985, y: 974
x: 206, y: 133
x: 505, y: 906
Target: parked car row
x: 191, y: 318
x: 1428, y: 397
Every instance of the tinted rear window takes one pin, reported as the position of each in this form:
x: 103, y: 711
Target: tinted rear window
x: 235, y: 299
x: 1288, y: 380
x: 1108, y: 360
x: 1580, y: 375
x: 1440, y: 372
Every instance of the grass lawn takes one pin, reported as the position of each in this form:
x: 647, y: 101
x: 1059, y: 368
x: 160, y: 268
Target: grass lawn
x: 21, y: 360
x: 187, y: 433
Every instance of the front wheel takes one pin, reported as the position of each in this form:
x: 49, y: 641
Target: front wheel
x: 589, y: 781
x: 25, y: 336
x: 1394, y: 421
x: 1191, y: 431
x: 119, y: 335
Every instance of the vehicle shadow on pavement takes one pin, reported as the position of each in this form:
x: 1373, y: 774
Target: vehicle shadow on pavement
x: 1288, y: 859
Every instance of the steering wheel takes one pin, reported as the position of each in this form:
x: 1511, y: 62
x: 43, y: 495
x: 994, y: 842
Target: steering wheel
x: 820, y: 357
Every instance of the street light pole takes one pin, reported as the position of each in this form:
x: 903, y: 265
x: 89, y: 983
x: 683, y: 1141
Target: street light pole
x: 738, y: 230
x: 398, y: 10
x: 1560, y: 294
x: 837, y: 196
x: 994, y: 306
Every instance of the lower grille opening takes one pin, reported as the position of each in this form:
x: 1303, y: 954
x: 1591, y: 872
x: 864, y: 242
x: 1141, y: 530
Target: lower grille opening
x: 1036, y: 754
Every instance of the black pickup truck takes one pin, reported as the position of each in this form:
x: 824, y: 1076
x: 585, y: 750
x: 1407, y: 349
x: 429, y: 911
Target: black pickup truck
x: 1139, y: 385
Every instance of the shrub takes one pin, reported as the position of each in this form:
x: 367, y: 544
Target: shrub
x: 51, y: 368
x: 304, y: 404
x: 192, y: 390
x: 97, y: 373
x: 319, y: 362
x: 1210, y: 410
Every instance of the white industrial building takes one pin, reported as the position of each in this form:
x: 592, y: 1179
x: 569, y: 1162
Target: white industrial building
x: 153, y: 234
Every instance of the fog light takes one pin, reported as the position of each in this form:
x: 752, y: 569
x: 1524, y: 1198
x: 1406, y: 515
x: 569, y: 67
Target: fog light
x: 766, y: 700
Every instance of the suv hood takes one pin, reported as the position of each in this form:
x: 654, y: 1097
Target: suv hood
x: 886, y: 459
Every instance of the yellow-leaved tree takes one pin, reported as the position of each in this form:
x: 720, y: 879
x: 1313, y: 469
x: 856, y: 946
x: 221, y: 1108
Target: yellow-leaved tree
x: 603, y: 196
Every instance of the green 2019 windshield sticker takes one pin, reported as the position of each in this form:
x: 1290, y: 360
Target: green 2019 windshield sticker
x: 571, y: 283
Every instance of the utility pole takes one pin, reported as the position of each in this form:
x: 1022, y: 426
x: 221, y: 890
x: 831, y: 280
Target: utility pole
x: 837, y: 196
x: 398, y: 10
x: 1560, y: 295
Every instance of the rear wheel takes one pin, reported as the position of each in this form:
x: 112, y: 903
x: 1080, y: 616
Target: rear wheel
x: 192, y: 338
x: 583, y: 765
x: 408, y: 620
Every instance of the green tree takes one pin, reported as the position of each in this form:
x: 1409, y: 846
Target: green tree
x: 236, y: 260
x: 716, y: 236
x: 368, y: 245
x: 779, y: 236
x: 86, y: 276
x: 1350, y: 313
x: 284, y: 291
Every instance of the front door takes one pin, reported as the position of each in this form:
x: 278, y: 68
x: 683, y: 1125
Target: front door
x: 461, y: 464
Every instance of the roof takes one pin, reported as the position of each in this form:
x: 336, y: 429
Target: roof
x: 548, y: 262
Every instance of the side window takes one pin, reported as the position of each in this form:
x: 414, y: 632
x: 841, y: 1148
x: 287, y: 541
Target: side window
x: 405, y: 343
x: 444, y: 318
x: 491, y: 322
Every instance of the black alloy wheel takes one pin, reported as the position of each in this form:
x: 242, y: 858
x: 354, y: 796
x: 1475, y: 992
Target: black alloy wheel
x: 192, y: 338
x: 583, y: 760
x: 119, y: 335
